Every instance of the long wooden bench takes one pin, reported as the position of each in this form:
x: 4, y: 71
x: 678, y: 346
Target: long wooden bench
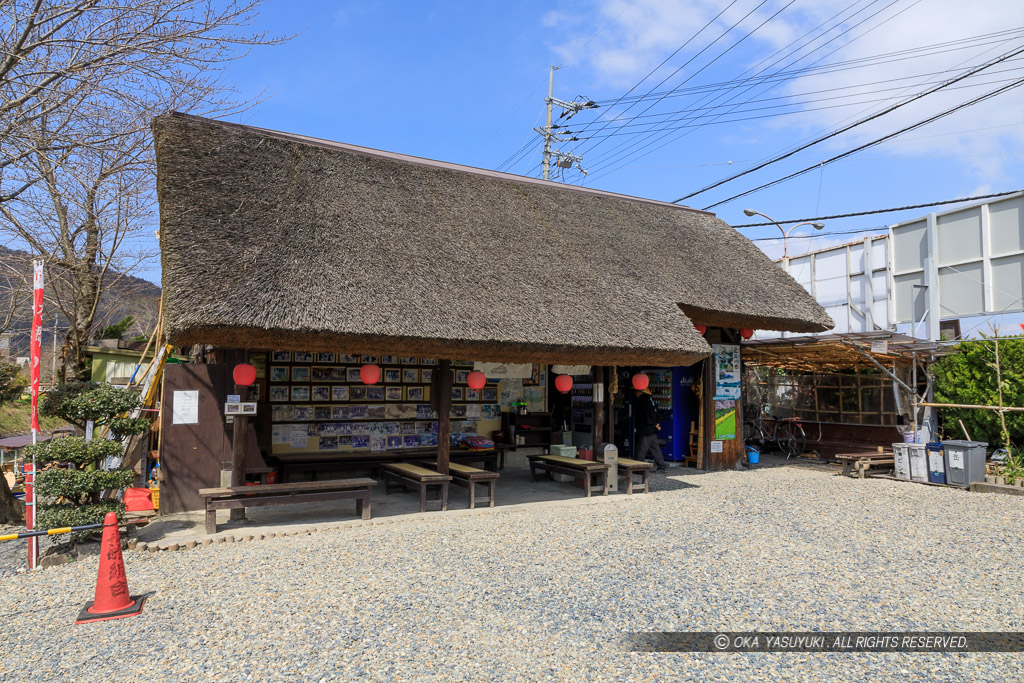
x: 405, y: 476
x: 228, y: 497
x: 469, y: 477
x: 574, y: 467
x: 629, y: 468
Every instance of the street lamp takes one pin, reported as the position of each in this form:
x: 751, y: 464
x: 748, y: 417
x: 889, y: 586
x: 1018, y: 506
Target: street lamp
x: 785, y: 233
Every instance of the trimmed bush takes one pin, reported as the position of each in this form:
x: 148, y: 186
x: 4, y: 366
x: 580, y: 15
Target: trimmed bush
x: 74, y: 450
x: 68, y: 514
x: 77, y: 484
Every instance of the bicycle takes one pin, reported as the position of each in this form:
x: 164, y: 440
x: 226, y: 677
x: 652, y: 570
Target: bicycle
x: 785, y: 433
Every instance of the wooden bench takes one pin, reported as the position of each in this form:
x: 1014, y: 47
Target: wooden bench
x: 228, y: 497
x: 468, y: 478
x: 574, y: 467
x: 862, y: 462
x: 405, y: 476
x: 628, y: 468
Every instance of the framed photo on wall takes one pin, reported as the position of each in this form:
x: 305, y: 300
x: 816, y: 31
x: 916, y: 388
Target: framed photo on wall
x: 489, y: 394
x: 375, y: 393
x: 410, y: 375
x: 410, y: 361
x: 279, y: 373
x: 458, y: 394
x: 427, y: 375
x: 302, y: 357
x: 414, y: 394
x: 280, y: 356
x: 461, y: 376
x: 300, y: 394
x: 279, y: 394
x: 300, y: 373
x: 327, y: 357
x: 392, y: 375
x: 393, y: 393
x: 321, y: 393
x: 389, y: 360
x: 357, y: 393
x: 352, y: 375
x: 339, y: 393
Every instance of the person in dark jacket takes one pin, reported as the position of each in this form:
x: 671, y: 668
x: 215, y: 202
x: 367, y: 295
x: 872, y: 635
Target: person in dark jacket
x: 647, y: 428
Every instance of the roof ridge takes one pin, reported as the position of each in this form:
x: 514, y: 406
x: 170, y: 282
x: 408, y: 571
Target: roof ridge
x: 433, y: 163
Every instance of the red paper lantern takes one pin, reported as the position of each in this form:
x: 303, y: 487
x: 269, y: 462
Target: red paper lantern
x: 244, y: 375
x: 563, y: 383
x: 476, y: 380
x: 746, y: 334
x: 641, y: 381
x: 702, y: 329
x: 370, y: 373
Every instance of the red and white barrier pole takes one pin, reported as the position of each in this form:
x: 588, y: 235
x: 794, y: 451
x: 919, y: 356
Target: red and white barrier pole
x: 34, y: 356
x: 30, y: 514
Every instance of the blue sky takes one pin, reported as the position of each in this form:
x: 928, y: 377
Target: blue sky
x: 464, y: 82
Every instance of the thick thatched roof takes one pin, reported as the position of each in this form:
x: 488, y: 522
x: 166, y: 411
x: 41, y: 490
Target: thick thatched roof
x: 273, y: 240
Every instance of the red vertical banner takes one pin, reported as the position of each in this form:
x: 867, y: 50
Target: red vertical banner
x: 35, y: 349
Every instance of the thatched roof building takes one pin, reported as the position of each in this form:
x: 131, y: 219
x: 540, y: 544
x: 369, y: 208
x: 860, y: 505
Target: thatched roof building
x: 272, y: 240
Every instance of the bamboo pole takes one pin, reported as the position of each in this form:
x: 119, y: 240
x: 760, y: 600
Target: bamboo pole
x: 1012, y: 409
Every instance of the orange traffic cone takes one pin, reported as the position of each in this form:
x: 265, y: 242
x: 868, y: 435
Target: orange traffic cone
x: 112, y: 599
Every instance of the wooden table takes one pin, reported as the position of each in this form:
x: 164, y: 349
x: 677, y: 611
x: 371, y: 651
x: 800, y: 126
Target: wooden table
x: 587, y: 469
x: 862, y: 462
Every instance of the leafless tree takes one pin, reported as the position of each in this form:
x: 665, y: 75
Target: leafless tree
x: 79, y: 83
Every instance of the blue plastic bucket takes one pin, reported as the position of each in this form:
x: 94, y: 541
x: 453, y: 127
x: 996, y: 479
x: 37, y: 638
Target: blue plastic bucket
x: 753, y: 457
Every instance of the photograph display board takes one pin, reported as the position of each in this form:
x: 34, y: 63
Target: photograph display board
x: 318, y: 402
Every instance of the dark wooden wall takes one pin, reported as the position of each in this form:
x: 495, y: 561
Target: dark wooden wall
x: 192, y: 456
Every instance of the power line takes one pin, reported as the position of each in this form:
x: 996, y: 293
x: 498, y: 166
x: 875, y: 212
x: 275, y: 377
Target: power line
x: 859, y: 122
x: 674, y: 53
x: 816, y: 234
x: 844, y: 65
x: 713, y: 61
x: 621, y: 157
x: 698, y: 54
x: 696, y: 122
x: 793, y: 102
x: 876, y: 211
x: 924, y: 122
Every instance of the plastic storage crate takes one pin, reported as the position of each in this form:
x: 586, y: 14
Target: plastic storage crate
x: 965, y: 462
x: 901, y: 460
x: 918, y: 462
x: 936, y: 463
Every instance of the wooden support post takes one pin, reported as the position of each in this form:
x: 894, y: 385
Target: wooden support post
x: 597, y: 375
x: 610, y: 403
x: 444, y: 411
x: 238, y: 439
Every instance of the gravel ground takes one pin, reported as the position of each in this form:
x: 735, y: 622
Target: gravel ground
x: 544, y: 593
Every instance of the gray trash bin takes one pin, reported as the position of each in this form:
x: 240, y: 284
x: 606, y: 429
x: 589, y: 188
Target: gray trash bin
x: 965, y: 462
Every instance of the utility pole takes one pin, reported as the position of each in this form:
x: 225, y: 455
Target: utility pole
x: 569, y: 109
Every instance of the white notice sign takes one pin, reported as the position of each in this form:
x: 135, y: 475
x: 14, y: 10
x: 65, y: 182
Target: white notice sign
x: 716, y: 446
x: 185, y: 410
x: 298, y: 437
x: 880, y: 346
x: 956, y: 459
x: 599, y: 393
